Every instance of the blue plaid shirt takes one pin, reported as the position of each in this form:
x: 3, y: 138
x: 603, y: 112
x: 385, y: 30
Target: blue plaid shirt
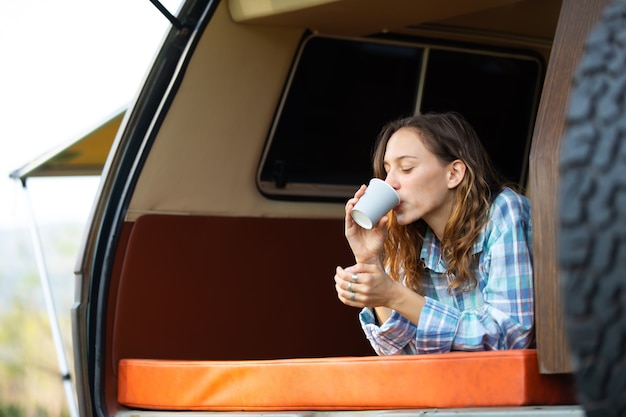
x: 497, y: 314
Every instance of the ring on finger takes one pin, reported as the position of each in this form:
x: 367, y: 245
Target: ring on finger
x: 355, y: 277
x: 352, y: 296
x: 349, y: 286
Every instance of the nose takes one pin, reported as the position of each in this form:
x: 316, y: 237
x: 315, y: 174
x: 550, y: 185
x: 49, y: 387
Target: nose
x: 391, y: 180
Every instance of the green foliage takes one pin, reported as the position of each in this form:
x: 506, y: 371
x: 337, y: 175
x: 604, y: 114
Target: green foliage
x: 30, y: 382
x: 11, y: 410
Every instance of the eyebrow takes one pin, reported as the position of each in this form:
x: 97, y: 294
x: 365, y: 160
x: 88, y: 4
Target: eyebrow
x: 400, y: 158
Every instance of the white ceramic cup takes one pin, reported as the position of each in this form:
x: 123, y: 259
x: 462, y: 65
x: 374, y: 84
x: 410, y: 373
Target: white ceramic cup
x: 378, y: 199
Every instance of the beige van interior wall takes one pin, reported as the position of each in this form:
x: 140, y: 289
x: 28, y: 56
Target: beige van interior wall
x: 356, y: 17
x: 205, y: 157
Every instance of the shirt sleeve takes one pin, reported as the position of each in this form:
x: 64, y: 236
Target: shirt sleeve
x: 395, y: 337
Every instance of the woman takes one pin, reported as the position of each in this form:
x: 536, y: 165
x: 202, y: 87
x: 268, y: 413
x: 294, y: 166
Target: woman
x: 450, y: 267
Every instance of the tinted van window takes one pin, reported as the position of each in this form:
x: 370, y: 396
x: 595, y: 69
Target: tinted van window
x: 497, y: 94
x: 341, y: 92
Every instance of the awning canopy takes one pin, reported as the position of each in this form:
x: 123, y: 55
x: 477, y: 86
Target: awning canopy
x: 83, y: 157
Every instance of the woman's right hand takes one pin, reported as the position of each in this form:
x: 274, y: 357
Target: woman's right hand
x: 366, y: 245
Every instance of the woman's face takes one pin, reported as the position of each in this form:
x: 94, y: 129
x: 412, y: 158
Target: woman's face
x: 425, y: 184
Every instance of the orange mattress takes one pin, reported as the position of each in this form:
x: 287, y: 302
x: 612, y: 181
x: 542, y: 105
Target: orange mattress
x: 450, y: 380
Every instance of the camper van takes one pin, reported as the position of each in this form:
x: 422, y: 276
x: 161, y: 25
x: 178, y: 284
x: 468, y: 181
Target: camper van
x: 205, y: 277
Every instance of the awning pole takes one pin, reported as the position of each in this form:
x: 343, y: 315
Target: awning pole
x: 52, y: 316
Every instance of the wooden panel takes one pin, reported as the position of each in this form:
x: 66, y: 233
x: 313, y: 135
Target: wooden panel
x: 576, y: 20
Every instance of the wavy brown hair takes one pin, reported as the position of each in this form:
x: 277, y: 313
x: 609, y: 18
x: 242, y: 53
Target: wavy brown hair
x: 450, y: 137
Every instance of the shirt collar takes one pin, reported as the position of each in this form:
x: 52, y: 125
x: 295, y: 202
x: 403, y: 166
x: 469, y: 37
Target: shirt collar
x: 431, y: 251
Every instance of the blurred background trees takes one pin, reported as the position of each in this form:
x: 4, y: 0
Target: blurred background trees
x: 30, y: 383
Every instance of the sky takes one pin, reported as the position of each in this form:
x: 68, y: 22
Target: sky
x: 67, y: 66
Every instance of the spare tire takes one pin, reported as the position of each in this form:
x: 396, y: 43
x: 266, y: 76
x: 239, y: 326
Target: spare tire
x: 592, y: 216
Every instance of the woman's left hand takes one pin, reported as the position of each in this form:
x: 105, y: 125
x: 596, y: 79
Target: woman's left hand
x: 364, y: 285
